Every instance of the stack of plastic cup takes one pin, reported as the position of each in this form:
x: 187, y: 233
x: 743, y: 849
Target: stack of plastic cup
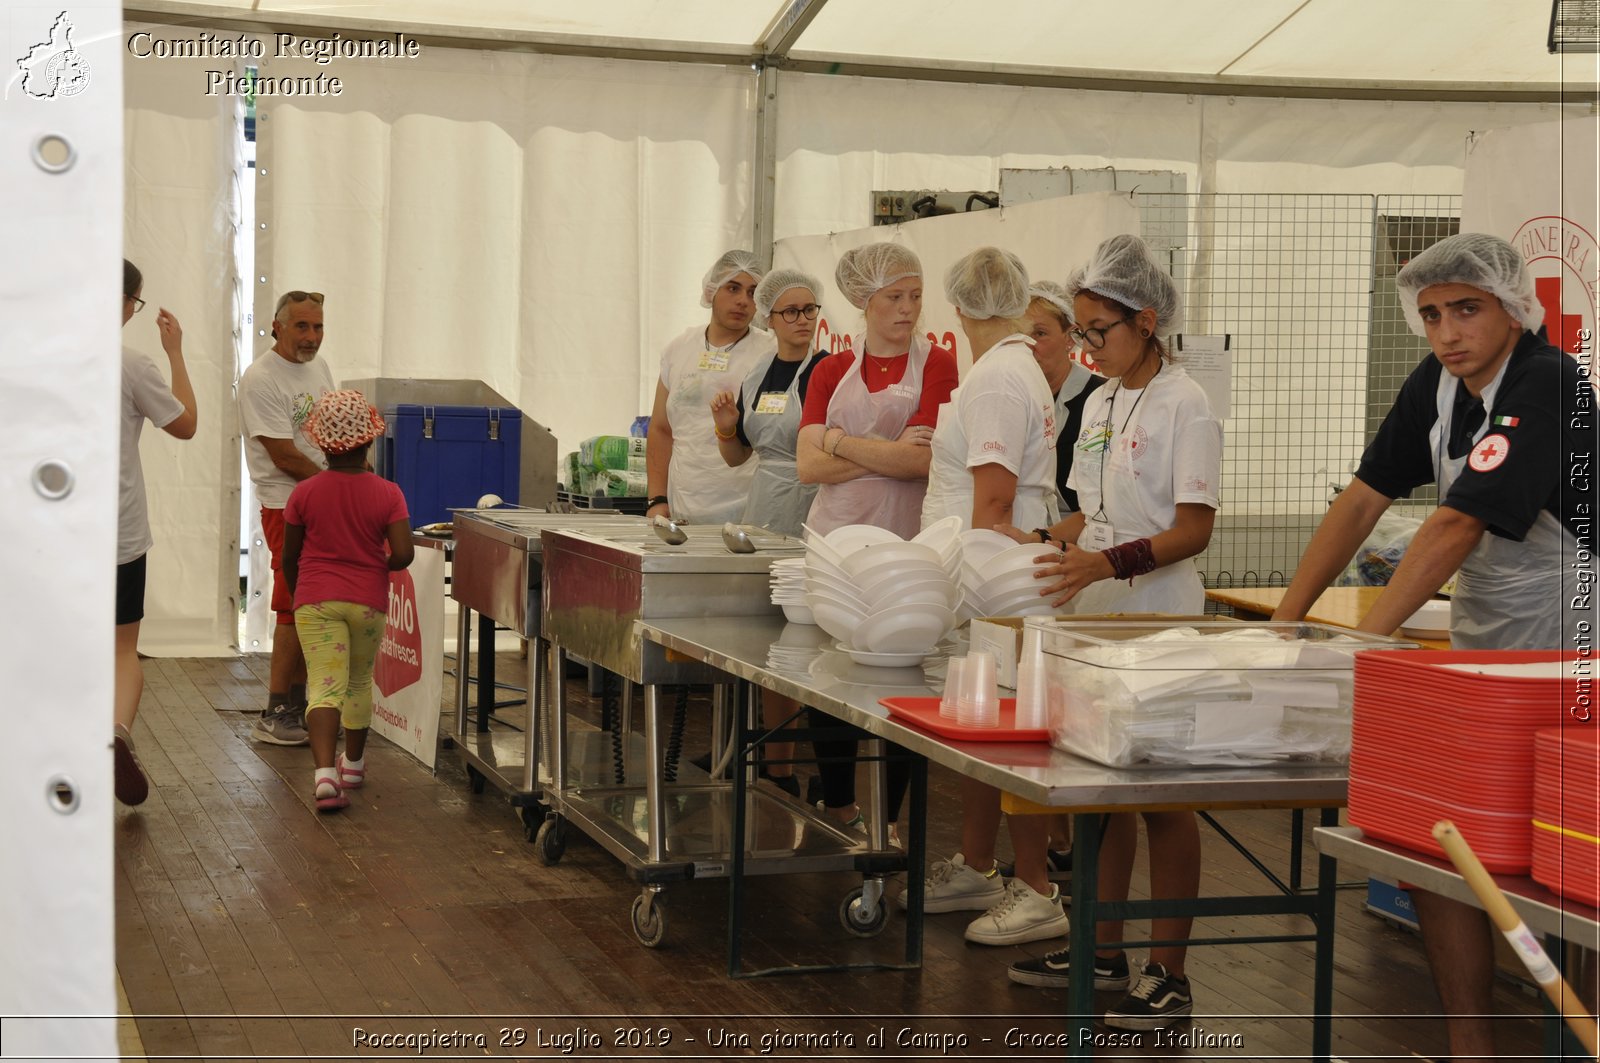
x: 979, y: 705
x: 952, y: 687
x: 1032, y: 703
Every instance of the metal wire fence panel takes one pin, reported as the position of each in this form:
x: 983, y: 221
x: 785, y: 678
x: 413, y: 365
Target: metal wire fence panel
x: 1303, y: 286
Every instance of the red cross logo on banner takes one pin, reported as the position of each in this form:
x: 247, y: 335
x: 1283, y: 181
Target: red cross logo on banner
x: 1490, y: 452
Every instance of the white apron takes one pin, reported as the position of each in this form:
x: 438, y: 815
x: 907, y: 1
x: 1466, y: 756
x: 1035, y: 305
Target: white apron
x: 895, y: 505
x: 1509, y: 595
x: 701, y: 487
x: 778, y: 500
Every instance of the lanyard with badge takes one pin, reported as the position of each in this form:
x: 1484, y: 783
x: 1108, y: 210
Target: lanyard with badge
x: 1098, y: 533
x: 715, y: 359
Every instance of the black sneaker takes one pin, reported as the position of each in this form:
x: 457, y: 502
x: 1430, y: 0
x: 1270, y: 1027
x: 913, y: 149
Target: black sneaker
x: 1059, y: 863
x: 1051, y: 971
x: 129, y: 783
x: 1157, y: 1001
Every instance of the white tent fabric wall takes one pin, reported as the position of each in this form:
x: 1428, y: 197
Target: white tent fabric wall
x: 540, y: 223
x: 181, y: 209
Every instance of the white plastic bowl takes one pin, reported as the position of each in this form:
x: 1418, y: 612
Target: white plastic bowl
x: 840, y: 621
x: 942, y: 535
x: 846, y: 593
x: 873, y: 579
x: 872, y: 556
x: 850, y: 538
x: 1013, y: 583
x: 979, y: 544
x: 1432, y: 621
x: 817, y: 565
x: 798, y: 614
x: 929, y: 591
x: 1024, y: 605
x: 903, y: 629
x: 1017, y: 558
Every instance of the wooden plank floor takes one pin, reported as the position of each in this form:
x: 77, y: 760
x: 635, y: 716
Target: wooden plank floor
x: 249, y: 927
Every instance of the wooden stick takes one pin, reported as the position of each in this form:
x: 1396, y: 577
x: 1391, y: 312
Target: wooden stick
x: 1523, y: 943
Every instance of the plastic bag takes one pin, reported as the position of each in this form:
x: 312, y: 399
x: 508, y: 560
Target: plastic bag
x: 1379, y: 555
x: 611, y: 452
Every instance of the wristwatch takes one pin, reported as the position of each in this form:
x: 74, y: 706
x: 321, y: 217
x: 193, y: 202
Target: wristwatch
x: 655, y: 500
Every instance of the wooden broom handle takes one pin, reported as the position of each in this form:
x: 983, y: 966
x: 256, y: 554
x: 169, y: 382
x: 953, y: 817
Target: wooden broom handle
x: 1517, y: 933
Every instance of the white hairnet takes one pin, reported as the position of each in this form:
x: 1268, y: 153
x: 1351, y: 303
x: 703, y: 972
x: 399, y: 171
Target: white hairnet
x: 731, y: 264
x: 776, y: 283
x: 1478, y: 259
x: 988, y: 282
x: 865, y: 270
x: 1122, y: 269
x: 1055, y: 295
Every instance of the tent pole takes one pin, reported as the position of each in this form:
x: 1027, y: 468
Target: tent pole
x: 764, y: 174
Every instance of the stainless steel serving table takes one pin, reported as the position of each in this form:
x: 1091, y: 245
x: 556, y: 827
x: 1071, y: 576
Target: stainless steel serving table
x: 1041, y: 774
x: 598, y: 584
x: 1555, y: 917
x: 498, y: 573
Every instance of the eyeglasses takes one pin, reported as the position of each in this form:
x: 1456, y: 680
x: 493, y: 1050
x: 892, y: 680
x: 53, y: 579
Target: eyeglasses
x: 297, y: 297
x: 791, y: 314
x: 138, y: 303
x: 1095, y: 338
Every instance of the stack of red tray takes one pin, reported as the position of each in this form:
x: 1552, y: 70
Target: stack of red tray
x: 1431, y: 741
x: 1566, y: 810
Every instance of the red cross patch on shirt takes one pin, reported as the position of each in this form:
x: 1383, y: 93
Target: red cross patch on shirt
x: 1489, y: 453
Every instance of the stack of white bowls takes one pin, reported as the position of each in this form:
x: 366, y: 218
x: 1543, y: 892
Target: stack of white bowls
x: 997, y: 576
x: 789, y: 589
x: 888, y: 601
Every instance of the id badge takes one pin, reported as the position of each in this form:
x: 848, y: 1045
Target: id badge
x: 1097, y: 535
x: 714, y: 361
x: 772, y: 402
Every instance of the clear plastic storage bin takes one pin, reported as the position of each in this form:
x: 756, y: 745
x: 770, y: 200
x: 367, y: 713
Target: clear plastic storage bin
x: 1198, y: 693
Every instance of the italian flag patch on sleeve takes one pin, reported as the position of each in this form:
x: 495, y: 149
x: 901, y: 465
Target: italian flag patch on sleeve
x: 1507, y: 422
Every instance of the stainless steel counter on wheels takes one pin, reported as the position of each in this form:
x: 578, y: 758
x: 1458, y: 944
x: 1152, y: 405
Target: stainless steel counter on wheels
x: 663, y: 827
x: 773, y: 656
x: 498, y: 574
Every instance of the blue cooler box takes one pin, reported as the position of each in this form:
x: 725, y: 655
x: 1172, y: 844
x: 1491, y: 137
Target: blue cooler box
x: 445, y: 457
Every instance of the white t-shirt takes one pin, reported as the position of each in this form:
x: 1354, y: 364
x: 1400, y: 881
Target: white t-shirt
x: 145, y: 396
x: 701, y: 487
x: 1002, y: 414
x: 275, y: 398
x: 1157, y: 446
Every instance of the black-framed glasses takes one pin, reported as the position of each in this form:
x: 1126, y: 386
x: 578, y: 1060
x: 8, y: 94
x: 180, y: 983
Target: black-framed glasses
x: 138, y: 303
x: 791, y: 314
x: 1095, y: 338
x: 297, y: 297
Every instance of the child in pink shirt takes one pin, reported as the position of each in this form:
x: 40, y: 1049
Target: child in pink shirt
x: 345, y: 530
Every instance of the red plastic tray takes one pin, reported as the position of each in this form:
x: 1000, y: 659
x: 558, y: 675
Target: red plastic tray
x: 1569, y: 866
x: 1501, y: 839
x: 924, y: 712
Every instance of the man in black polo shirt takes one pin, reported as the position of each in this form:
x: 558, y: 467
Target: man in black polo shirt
x: 1503, y: 422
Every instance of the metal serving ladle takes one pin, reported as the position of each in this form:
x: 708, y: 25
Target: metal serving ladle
x: 735, y: 539
x: 668, y: 530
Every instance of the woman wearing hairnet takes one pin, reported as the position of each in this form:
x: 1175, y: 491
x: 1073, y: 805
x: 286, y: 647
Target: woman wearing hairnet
x: 688, y: 480
x: 864, y: 438
x: 1146, y: 470
x: 868, y: 420
x: 994, y: 466
x: 763, y: 418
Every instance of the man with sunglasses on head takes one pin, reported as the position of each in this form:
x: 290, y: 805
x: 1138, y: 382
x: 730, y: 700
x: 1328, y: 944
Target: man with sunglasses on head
x: 275, y: 397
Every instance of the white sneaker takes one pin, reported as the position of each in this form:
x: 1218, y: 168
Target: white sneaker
x: 1022, y: 915
x: 953, y: 886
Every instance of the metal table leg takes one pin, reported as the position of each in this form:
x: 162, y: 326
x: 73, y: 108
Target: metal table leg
x: 655, y: 812
x: 1322, y: 985
x: 1086, y: 829
x: 463, y: 660
x: 485, y: 671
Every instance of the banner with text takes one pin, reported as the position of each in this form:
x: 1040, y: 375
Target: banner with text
x: 408, y: 676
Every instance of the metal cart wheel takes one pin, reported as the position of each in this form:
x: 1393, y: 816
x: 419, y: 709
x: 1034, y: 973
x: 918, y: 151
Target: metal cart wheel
x: 649, y: 927
x: 533, y: 817
x: 476, y: 779
x: 551, y: 841
x: 861, y: 917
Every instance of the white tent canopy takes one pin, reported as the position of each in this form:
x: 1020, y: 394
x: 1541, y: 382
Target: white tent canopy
x: 1486, y: 48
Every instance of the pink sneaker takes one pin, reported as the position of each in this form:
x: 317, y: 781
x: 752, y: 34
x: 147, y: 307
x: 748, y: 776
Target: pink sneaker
x: 349, y: 778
